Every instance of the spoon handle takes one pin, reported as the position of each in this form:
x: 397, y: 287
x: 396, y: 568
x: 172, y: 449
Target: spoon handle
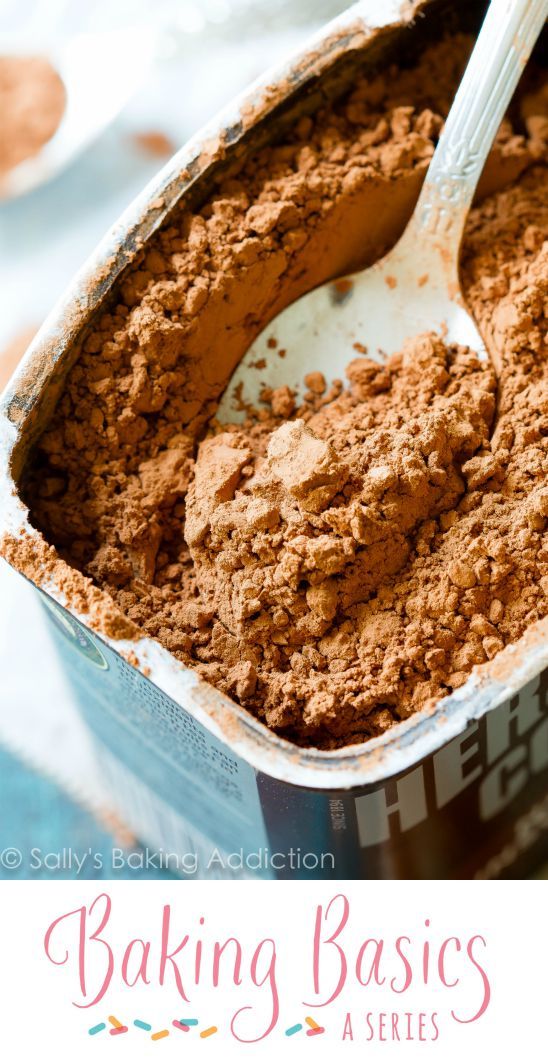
x: 503, y: 47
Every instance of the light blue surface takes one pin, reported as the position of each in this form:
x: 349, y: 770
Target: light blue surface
x: 36, y: 815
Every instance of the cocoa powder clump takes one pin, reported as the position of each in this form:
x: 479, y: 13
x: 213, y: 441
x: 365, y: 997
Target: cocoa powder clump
x: 32, y: 102
x: 337, y: 565
x: 318, y: 560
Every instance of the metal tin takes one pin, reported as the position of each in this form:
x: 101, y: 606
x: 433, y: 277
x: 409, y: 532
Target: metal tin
x: 459, y: 792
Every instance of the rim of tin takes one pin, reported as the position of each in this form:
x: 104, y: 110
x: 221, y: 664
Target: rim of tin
x: 354, y: 766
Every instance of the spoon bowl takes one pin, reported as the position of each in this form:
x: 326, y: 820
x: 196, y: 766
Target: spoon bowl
x: 371, y: 312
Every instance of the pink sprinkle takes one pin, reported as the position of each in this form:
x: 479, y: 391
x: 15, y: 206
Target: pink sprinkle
x: 117, y: 1030
x: 180, y: 1025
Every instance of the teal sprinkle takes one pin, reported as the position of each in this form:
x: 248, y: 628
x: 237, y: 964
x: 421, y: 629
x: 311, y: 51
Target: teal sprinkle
x: 294, y: 1029
x: 189, y: 1022
x: 97, y: 1029
x: 142, y: 1025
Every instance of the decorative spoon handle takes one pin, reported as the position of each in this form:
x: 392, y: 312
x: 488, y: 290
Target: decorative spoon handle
x: 505, y: 42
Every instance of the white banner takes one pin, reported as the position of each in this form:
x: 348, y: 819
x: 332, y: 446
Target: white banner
x: 376, y: 968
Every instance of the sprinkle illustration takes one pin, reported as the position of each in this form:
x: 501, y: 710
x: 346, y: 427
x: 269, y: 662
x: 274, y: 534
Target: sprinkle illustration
x: 180, y: 1025
x: 208, y: 1033
x: 315, y: 1032
x: 117, y: 1030
x: 161, y: 1033
x: 189, y: 1022
x: 310, y: 1022
x: 142, y: 1025
x: 114, y: 1021
x: 294, y: 1029
x: 97, y: 1029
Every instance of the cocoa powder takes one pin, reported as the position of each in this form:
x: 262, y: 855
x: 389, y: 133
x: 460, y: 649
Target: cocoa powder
x: 340, y: 565
x: 32, y: 102
x: 154, y: 142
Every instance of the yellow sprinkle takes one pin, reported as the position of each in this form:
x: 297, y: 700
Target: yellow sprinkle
x: 114, y: 1021
x: 313, y: 1025
x: 161, y: 1033
x: 208, y: 1032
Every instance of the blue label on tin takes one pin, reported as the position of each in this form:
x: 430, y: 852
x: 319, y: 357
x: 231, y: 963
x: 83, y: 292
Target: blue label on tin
x: 174, y: 782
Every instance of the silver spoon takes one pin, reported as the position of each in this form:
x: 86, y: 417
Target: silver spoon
x: 416, y: 287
